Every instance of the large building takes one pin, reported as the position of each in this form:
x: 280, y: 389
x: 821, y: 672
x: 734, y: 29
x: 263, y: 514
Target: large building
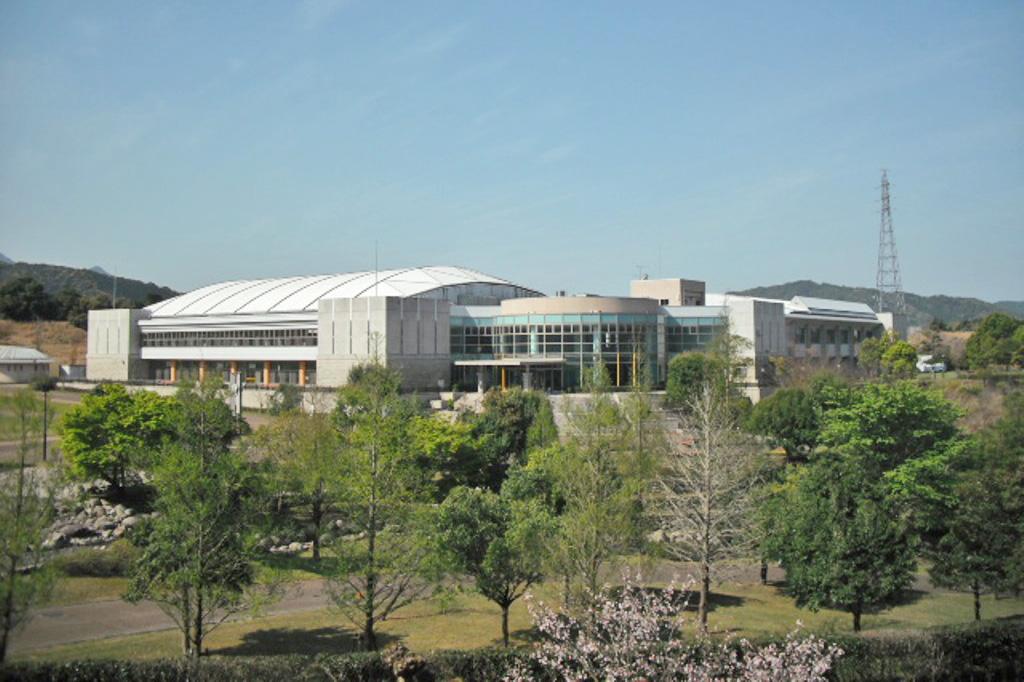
x: 447, y: 326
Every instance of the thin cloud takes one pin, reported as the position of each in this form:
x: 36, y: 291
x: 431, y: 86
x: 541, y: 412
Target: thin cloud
x: 434, y: 43
x: 315, y: 13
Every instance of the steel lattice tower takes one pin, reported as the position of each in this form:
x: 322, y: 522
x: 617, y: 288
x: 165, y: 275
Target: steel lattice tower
x: 888, y: 281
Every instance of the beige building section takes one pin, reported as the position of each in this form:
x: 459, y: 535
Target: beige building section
x: 113, y: 345
x: 410, y: 335
x: 673, y: 291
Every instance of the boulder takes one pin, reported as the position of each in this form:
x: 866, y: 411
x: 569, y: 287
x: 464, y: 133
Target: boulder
x: 131, y: 522
x: 295, y: 547
x: 75, y: 530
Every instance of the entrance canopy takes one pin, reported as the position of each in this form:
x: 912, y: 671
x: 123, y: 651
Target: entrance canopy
x: 510, y: 362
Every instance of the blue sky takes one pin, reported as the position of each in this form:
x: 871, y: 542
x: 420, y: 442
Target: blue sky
x: 564, y: 145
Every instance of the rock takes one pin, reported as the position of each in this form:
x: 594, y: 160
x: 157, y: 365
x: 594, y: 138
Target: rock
x: 295, y: 547
x: 56, y: 541
x: 657, y: 536
x: 75, y: 530
x: 131, y: 522
x: 118, y: 532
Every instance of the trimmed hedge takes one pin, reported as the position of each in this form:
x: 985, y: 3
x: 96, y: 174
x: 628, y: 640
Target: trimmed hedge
x: 992, y: 650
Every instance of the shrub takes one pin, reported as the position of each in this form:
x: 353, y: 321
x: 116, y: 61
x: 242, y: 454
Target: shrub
x: 115, y: 560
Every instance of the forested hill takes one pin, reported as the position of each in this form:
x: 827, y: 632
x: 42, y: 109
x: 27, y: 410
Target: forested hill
x: 922, y: 309
x: 56, y: 278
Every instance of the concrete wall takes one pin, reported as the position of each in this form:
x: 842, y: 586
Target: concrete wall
x: 763, y: 325
x: 412, y: 335
x: 113, y: 345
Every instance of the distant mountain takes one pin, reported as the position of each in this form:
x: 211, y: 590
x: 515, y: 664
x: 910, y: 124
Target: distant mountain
x: 55, y: 278
x: 1012, y: 307
x: 5, y: 259
x: 98, y: 270
x: 920, y: 309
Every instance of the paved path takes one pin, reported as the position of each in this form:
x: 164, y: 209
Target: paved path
x: 58, y: 625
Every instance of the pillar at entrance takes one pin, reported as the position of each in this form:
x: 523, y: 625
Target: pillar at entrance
x: 202, y: 370
x: 266, y: 373
x: 234, y: 367
x: 504, y: 379
x: 302, y: 372
x: 174, y: 371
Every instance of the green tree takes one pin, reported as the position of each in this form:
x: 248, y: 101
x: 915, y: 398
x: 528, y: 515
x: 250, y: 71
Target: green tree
x: 197, y: 553
x: 789, y: 418
x: 687, y: 372
x: 26, y: 511
x: 112, y: 431
x: 839, y: 538
x: 993, y: 343
x: 386, y: 502
x: 307, y: 460
x: 905, y: 437
x: 23, y: 299
x: 600, y: 483
x: 497, y: 540
x: 449, y: 452
x: 873, y: 350
x: 512, y: 422
x: 900, y: 360
x: 982, y: 533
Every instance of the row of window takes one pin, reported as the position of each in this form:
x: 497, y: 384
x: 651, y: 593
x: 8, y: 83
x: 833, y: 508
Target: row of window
x: 817, y: 335
x: 252, y: 372
x: 231, y: 337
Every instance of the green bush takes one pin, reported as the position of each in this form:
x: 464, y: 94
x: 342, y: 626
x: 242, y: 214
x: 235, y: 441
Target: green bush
x: 991, y: 650
x: 115, y: 560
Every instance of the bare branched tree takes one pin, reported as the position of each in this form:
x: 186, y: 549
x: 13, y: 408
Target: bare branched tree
x: 703, y: 498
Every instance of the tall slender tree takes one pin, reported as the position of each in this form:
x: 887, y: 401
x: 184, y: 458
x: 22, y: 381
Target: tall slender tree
x: 197, y: 553
x: 705, y: 492
x: 26, y: 510
x: 386, y: 503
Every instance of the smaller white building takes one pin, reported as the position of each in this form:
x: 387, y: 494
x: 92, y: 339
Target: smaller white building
x: 20, y: 365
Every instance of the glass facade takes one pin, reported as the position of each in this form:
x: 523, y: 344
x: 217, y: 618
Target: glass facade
x: 230, y: 337
x: 626, y: 344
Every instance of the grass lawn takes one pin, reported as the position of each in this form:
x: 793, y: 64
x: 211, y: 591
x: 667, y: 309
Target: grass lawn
x: 81, y: 590
x: 470, y: 621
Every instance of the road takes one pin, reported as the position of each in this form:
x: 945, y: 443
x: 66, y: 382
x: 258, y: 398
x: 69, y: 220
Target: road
x: 58, y: 625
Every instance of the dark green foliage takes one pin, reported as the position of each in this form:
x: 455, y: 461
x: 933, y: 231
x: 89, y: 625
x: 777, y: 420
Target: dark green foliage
x: 57, y: 278
x: 789, y: 419
x: 986, y: 651
x: 23, y: 300
x: 115, y: 560
x: 687, y: 372
x: 995, y: 342
x: 287, y: 398
x: 512, y: 422
x: 839, y: 538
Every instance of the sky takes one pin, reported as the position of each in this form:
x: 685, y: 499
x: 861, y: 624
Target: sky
x: 560, y: 145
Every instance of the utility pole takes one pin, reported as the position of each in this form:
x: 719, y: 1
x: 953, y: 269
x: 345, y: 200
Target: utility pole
x: 888, y: 280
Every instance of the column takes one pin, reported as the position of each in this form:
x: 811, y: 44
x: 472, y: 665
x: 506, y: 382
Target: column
x: 202, y: 370
x: 302, y: 372
x: 618, y: 369
x: 504, y: 379
x: 266, y: 373
x: 174, y: 371
x: 234, y: 366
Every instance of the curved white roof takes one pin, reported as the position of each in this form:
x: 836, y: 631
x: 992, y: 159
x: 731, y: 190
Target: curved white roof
x: 302, y: 294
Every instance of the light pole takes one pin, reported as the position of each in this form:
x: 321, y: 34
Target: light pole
x: 45, y: 384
